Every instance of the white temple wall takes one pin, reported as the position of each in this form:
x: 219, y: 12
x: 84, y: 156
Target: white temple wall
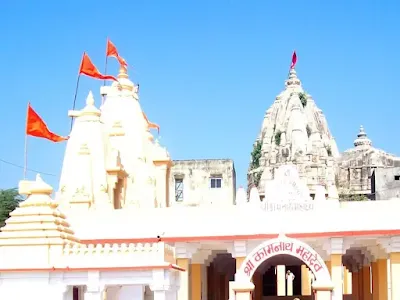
x: 131, y: 292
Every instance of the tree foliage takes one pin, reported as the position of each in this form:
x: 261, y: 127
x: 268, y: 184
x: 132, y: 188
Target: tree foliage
x: 256, y: 155
x: 9, y: 200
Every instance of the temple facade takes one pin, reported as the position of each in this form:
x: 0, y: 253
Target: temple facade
x: 114, y: 229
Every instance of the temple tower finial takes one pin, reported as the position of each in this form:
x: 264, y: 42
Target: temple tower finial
x: 293, y: 81
x: 362, y: 140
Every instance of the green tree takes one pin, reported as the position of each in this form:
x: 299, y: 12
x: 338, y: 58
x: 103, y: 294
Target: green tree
x: 9, y: 200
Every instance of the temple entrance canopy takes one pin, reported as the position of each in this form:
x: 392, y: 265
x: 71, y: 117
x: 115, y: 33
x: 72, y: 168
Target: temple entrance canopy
x: 285, y: 246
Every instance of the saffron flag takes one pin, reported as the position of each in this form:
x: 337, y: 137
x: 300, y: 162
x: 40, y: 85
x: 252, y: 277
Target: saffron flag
x: 112, y: 51
x: 150, y: 124
x: 35, y: 126
x: 294, y: 60
x: 89, y: 69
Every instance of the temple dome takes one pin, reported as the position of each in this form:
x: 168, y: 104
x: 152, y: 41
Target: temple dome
x: 362, y: 140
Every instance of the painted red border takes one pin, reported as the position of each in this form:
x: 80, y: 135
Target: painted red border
x: 244, y: 237
x: 68, y: 269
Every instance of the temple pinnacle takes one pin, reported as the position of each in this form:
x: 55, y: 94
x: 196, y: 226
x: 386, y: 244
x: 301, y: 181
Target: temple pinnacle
x: 90, y: 99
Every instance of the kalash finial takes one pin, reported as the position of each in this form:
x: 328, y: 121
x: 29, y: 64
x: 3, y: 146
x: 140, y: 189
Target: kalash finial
x: 362, y: 139
x: 293, y: 81
x: 124, y: 83
x: 123, y: 72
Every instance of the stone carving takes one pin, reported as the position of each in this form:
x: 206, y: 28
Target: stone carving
x: 294, y: 130
x: 287, y: 192
x: 294, y: 134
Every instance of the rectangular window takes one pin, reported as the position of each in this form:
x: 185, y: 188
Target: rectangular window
x: 215, y: 182
x: 396, y: 177
x: 178, y: 189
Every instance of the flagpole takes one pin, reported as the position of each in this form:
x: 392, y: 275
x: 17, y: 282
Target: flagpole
x: 26, y: 144
x: 105, y: 70
x: 76, y: 93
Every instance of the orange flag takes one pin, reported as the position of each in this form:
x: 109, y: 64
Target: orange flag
x: 35, y: 126
x: 89, y: 69
x: 112, y: 51
x: 151, y: 125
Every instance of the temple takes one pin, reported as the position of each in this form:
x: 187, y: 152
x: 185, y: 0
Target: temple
x: 128, y: 222
x: 295, y: 130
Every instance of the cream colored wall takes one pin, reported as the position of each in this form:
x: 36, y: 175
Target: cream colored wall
x: 197, y: 176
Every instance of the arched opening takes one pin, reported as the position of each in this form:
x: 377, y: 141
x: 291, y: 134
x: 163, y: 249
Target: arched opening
x: 220, y: 271
x: 282, y: 275
x: 265, y: 261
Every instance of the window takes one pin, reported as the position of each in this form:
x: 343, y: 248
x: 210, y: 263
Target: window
x: 396, y: 177
x: 215, y: 182
x: 178, y: 189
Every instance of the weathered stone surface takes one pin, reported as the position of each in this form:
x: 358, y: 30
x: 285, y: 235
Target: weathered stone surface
x: 295, y: 130
x: 356, y: 165
x: 202, y: 182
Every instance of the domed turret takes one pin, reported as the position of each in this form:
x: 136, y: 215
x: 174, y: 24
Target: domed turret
x: 362, y: 141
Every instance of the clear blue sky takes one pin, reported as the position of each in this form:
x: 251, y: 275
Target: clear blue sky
x: 207, y: 70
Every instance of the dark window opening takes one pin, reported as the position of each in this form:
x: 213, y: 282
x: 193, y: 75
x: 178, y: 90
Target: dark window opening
x: 178, y: 189
x: 216, y: 182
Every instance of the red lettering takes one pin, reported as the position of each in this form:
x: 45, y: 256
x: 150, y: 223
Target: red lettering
x: 280, y: 247
x: 248, y: 268
x: 306, y: 256
x: 317, y: 267
x: 260, y: 254
x: 289, y: 247
x: 270, y: 249
x: 300, y: 251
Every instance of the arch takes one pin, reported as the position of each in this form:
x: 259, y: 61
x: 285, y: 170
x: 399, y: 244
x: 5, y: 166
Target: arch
x: 286, y: 246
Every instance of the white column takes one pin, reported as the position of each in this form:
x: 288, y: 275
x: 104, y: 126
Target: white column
x: 59, y: 292
x: 93, y: 294
x: 164, y: 285
x: 336, y: 248
x: 184, y: 253
x: 281, y: 280
x: 236, y: 249
x: 94, y: 291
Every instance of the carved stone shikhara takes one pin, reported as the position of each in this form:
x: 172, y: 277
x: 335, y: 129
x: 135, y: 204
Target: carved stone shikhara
x: 295, y: 130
